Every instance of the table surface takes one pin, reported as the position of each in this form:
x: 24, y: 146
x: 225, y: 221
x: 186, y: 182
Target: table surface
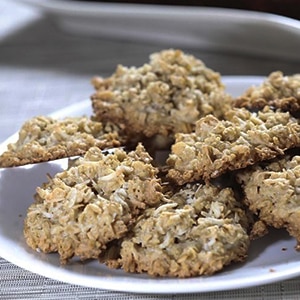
x: 43, y: 69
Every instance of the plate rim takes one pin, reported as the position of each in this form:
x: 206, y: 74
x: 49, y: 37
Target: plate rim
x: 96, y: 8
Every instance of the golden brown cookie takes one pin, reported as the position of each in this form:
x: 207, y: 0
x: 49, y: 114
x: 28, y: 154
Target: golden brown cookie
x: 44, y: 138
x: 272, y: 192
x: 278, y: 91
x: 162, y: 97
x: 80, y: 210
x: 218, y: 146
x: 201, y: 230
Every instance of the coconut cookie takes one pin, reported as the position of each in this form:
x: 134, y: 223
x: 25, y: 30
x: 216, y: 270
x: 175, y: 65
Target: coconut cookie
x: 162, y: 97
x: 218, y: 146
x: 80, y: 210
x: 272, y: 192
x: 44, y: 138
x: 278, y: 91
x: 202, y: 229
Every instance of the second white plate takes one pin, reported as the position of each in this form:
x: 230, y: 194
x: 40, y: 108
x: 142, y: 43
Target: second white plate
x: 213, y: 29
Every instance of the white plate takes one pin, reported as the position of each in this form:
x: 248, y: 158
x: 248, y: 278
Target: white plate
x: 214, y: 29
x: 271, y: 258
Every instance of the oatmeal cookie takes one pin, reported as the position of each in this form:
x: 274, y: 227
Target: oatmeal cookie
x: 80, y: 210
x: 243, y: 139
x: 272, y: 192
x: 201, y: 230
x: 44, y: 138
x: 277, y: 91
x: 167, y: 95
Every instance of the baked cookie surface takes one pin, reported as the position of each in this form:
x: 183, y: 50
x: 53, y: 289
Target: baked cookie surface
x: 200, y: 231
x: 44, y: 138
x: 162, y: 97
x: 272, y: 192
x: 243, y: 139
x: 278, y: 90
x: 80, y: 210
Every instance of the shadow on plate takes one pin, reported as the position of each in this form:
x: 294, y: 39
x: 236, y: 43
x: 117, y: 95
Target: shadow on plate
x: 17, y: 188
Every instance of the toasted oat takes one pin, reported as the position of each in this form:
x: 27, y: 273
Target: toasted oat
x: 167, y: 95
x: 272, y: 192
x: 200, y: 231
x: 219, y: 146
x: 44, y: 138
x: 278, y: 91
x: 80, y: 210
